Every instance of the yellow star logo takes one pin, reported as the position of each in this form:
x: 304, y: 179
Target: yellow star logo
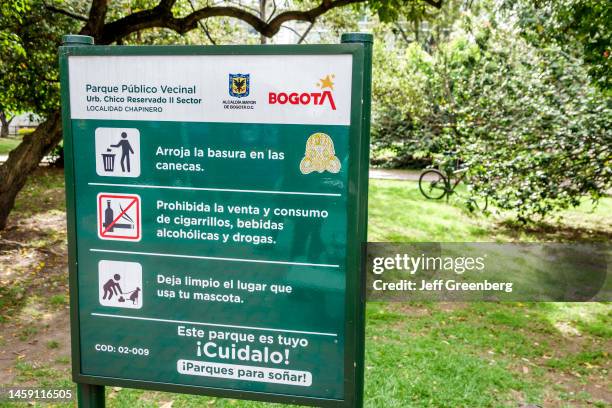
x: 327, y: 82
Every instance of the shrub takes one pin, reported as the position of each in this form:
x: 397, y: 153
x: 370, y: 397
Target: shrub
x: 527, y: 122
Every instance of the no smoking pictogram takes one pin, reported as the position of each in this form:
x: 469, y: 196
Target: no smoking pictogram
x: 119, y: 217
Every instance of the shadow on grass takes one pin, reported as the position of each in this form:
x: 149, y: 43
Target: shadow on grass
x: 505, y: 354
x: 554, y: 232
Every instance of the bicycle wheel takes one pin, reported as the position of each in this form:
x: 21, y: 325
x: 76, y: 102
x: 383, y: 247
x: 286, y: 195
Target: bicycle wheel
x: 433, y: 184
x: 478, y: 203
x: 484, y: 203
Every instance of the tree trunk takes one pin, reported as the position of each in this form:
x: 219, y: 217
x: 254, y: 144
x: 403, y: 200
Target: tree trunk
x: 262, y: 14
x: 4, y: 130
x: 24, y: 159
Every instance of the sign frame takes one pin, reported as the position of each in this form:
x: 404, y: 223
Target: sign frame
x: 359, y: 46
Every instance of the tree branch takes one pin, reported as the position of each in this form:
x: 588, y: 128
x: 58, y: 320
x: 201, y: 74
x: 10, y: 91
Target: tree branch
x: 203, y: 26
x: 97, y: 15
x: 67, y: 13
x: 162, y: 17
x: 208, y: 35
x: 166, y: 4
x: 435, y: 3
x: 309, y: 15
x: 303, y: 37
x: 293, y: 30
x: 273, y: 11
x: 403, y: 33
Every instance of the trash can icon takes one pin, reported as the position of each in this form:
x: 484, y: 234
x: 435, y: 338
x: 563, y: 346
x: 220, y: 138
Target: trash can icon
x: 108, y: 159
x: 117, y: 152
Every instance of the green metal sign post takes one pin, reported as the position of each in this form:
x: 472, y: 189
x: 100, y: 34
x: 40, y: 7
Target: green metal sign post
x: 217, y: 203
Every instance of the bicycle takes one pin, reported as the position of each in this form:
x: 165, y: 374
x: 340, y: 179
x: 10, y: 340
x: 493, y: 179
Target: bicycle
x: 435, y: 184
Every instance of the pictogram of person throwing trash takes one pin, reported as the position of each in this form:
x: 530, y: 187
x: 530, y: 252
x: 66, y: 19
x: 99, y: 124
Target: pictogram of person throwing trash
x: 126, y: 150
x: 112, y: 143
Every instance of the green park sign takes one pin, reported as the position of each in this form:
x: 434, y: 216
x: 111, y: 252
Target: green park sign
x: 216, y: 203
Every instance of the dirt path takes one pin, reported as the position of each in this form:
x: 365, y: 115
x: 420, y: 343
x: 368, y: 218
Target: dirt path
x: 34, y: 308
x: 395, y: 174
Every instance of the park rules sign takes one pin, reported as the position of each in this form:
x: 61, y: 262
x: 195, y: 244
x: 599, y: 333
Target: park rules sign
x: 216, y: 210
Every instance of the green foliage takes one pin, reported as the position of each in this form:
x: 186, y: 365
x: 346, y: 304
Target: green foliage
x: 28, y: 68
x: 580, y: 27
x: 334, y: 23
x: 390, y: 10
x: 525, y: 120
x: 57, y: 155
x: 534, y: 132
x: 58, y: 300
x: 52, y: 344
x: 399, y: 89
x: 11, y: 10
x: 404, y: 132
x: 426, y: 26
x: 9, y: 43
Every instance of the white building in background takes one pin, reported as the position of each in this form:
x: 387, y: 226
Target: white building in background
x: 23, y: 121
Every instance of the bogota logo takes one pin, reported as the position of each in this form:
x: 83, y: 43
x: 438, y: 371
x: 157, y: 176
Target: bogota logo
x: 320, y: 155
x: 239, y: 85
x: 325, y: 97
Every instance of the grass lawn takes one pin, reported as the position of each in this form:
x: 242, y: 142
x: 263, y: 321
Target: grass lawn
x: 9, y: 143
x: 417, y: 354
x: 398, y: 212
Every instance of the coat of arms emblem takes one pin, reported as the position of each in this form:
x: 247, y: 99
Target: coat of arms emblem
x: 239, y: 85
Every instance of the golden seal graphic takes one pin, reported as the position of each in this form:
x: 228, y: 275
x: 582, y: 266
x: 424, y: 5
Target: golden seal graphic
x: 320, y: 155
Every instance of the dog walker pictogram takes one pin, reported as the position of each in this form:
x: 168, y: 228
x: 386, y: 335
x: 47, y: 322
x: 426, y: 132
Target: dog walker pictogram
x: 120, y: 284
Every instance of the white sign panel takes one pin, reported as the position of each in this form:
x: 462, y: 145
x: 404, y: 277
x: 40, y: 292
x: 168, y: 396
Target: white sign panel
x: 295, y: 89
